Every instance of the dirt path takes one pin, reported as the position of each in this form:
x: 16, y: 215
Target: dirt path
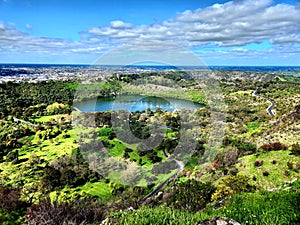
x: 180, y: 165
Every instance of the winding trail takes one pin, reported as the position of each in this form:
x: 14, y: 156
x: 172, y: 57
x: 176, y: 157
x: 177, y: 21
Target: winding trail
x: 180, y: 165
x: 16, y: 120
x: 75, y: 109
x: 272, y: 103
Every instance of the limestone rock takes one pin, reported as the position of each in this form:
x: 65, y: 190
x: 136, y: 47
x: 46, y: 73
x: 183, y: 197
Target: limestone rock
x: 219, y: 221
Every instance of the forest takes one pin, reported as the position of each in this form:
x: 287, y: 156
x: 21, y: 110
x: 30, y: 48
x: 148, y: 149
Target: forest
x: 62, y: 166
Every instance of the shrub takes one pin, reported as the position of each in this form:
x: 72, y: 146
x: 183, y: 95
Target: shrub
x: 286, y: 173
x: 222, y: 192
x: 297, y: 167
x: 273, y: 147
x: 10, y: 199
x: 258, y: 163
x: 289, y: 165
x: 78, y: 212
x: 266, y: 173
x: 295, y: 149
x: 12, y: 156
x: 12, y: 209
x: 191, y: 195
x: 227, y: 157
x: 232, y: 184
x: 51, y: 179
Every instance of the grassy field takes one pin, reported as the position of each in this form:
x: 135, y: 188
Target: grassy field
x: 275, y: 163
x: 43, y: 119
x: 99, y: 189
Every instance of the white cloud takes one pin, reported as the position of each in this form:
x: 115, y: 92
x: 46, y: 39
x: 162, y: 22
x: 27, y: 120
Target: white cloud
x: 13, y: 40
x: 234, y: 23
x: 28, y: 26
x: 118, y: 24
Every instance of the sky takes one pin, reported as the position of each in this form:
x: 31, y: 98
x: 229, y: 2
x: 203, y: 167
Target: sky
x: 236, y: 33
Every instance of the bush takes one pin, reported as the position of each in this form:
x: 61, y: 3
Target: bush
x: 232, y: 184
x: 56, y: 213
x: 12, y: 209
x: 227, y: 157
x: 266, y: 173
x: 295, y: 149
x: 286, y: 173
x: 297, y: 167
x: 273, y: 147
x: 51, y: 179
x: 258, y: 163
x: 191, y: 195
x: 12, y: 156
x: 289, y: 165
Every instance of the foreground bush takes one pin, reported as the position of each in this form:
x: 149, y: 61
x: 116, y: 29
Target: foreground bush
x: 12, y: 209
x: 191, y: 195
x: 56, y: 213
x: 230, y: 185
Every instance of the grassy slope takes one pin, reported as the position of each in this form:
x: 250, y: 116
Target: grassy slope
x: 247, y: 208
x: 48, y: 118
x: 276, y: 177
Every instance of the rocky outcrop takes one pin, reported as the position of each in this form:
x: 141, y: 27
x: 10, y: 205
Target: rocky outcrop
x: 219, y: 221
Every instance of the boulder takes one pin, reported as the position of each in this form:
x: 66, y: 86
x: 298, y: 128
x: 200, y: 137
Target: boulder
x: 219, y: 221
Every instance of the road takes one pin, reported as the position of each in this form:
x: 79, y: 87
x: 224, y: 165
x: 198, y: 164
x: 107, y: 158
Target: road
x: 272, y: 104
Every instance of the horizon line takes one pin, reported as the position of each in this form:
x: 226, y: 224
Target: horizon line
x: 158, y: 65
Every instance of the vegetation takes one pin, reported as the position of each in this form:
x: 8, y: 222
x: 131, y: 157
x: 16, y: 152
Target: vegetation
x: 64, y: 167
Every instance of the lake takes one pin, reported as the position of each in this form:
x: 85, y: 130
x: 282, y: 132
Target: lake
x: 132, y: 103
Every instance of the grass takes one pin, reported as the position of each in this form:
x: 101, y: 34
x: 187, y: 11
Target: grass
x: 98, y: 189
x: 265, y: 208
x: 50, y: 150
x: 160, y: 215
x: 247, y: 208
x: 253, y: 128
x: 39, y: 155
x: 157, y: 90
x: 253, y: 125
x: 44, y: 119
x: 249, y: 92
x: 276, y: 171
x: 118, y: 149
x: 281, y: 78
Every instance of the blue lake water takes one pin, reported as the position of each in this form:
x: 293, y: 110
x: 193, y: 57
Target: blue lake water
x: 134, y: 103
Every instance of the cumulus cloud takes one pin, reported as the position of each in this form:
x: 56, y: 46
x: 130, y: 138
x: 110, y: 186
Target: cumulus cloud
x: 118, y: 24
x: 234, y: 23
x: 12, y: 39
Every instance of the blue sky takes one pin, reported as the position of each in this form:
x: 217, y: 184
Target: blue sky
x: 241, y: 32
